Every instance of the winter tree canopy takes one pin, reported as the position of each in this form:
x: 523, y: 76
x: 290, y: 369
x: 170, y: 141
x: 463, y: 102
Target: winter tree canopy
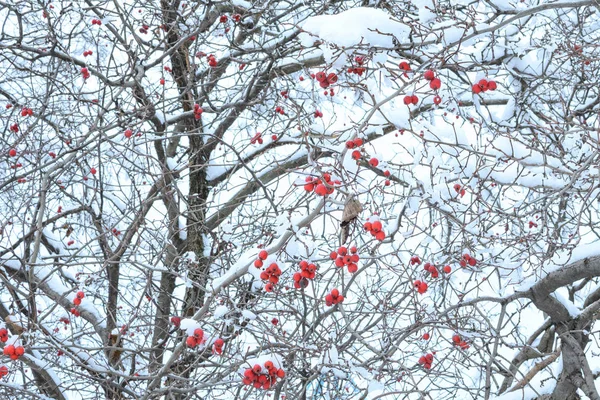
x: 299, y: 199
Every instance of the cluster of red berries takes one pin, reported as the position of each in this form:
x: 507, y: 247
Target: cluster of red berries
x: 236, y: 17
x: 271, y: 274
x: 342, y: 258
x: 426, y: 360
x: 75, y: 312
x: 318, y: 114
x: 3, y: 371
x: 223, y: 19
x: 467, y: 259
x: 333, y: 298
x: 359, y: 60
x: 279, y: 110
x: 3, y: 335
x: 14, y: 128
x: 421, y: 286
x: 77, y: 300
x: 412, y: 99
x: 14, y: 352
x: 144, y: 29
x: 96, y: 22
x: 12, y: 152
x: 262, y: 256
x: 350, y: 144
x: 218, y: 346
x: 196, y: 339
x: 532, y: 224
x: 198, y: 111
x: 459, y: 189
x: 212, y: 60
x: 431, y: 269
x: 256, y: 377
x: 326, y: 79
x: 316, y: 184
x: 26, y: 112
x: 307, y: 271
x: 87, y: 53
x: 458, y: 341
x: 19, y: 165
x: 483, y: 86
x: 434, y: 82
x: 375, y: 228
x: 256, y: 139
x: 85, y: 73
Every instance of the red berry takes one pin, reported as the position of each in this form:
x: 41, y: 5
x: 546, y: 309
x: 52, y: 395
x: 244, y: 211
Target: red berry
x: 426, y: 336
x: 321, y: 190
x: 191, y: 341
x: 9, y: 350
x: 198, y: 333
x: 404, y: 66
x: 447, y: 269
x: 476, y: 89
x: 429, y: 75
x: 376, y: 226
x: 456, y: 339
x: 435, y: 84
x: 492, y: 85
x: 258, y: 263
x: 414, y: 99
x: 356, y: 154
x: 12, y: 152
x: 263, y: 254
x: 407, y: 100
x: 77, y: 301
x: 437, y: 100
x: 19, y: 351
x: 176, y: 321
x: 128, y: 133
x: 374, y: 162
x: 93, y: 171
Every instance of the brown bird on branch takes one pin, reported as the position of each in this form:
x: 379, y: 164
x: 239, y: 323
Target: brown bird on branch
x: 352, y: 209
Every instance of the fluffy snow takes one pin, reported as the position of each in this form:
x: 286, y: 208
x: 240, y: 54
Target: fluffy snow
x: 359, y: 25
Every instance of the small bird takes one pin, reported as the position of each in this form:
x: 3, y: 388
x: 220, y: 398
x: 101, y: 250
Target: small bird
x: 352, y: 209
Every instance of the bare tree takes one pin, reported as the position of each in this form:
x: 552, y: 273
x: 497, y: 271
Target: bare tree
x: 178, y: 176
